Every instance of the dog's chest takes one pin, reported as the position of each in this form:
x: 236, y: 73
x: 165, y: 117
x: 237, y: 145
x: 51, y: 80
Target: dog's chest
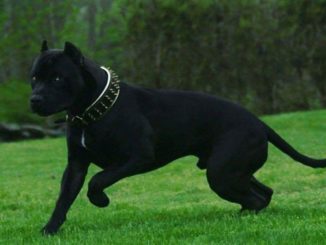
x: 103, y: 148
x: 88, y: 141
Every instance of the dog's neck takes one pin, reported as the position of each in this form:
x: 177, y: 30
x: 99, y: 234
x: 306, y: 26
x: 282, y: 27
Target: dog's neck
x: 95, y: 79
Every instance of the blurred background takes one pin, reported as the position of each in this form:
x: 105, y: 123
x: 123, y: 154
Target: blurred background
x: 267, y: 55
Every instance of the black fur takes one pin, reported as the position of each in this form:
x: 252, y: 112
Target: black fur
x: 148, y: 128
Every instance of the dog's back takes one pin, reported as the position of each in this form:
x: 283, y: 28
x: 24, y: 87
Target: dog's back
x: 188, y: 123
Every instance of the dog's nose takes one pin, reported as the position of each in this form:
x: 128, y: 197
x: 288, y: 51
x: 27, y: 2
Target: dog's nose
x: 36, y: 99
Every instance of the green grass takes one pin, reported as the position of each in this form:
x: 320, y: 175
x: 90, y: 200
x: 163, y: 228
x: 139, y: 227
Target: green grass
x: 172, y: 205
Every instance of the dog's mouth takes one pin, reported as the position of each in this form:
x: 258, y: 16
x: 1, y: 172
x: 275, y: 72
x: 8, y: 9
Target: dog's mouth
x: 39, y: 110
x: 44, y: 111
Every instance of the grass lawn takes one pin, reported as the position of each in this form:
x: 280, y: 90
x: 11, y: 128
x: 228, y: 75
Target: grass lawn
x: 172, y: 205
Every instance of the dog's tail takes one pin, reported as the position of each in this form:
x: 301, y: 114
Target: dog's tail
x: 285, y: 147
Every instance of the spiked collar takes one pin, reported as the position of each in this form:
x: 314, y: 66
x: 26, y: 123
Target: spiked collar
x: 101, y: 105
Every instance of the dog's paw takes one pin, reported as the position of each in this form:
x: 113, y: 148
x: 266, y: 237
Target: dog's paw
x: 100, y: 199
x: 49, y: 230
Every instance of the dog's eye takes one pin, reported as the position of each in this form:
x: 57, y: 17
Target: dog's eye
x: 57, y: 78
x: 34, y: 78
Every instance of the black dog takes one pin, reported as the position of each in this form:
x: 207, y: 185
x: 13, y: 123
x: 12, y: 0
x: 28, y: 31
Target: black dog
x: 127, y: 130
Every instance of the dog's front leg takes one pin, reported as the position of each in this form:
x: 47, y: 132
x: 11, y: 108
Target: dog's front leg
x: 72, y: 181
x: 108, y: 177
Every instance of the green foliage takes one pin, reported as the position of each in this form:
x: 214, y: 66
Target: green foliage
x: 172, y: 205
x: 267, y: 55
x: 14, y: 101
x: 252, y: 52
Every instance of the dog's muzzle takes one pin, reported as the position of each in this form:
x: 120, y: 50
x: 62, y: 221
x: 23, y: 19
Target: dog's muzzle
x: 37, y: 105
x: 36, y: 100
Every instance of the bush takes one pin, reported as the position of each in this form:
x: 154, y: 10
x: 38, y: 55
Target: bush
x: 14, y: 100
x: 267, y: 55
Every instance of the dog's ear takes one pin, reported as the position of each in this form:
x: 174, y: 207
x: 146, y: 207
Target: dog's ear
x: 74, y: 53
x: 44, y: 46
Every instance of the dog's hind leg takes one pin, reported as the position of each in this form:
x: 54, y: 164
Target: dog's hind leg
x: 265, y: 190
x: 202, y: 163
x: 234, y: 159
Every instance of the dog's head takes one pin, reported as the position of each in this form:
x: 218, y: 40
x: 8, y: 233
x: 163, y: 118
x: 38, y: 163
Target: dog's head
x: 56, y: 79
